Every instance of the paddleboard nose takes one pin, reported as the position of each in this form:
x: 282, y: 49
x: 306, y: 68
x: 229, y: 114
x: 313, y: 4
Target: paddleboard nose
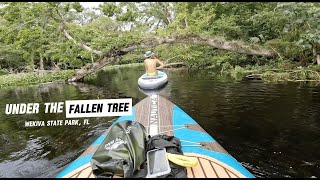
x: 150, y: 92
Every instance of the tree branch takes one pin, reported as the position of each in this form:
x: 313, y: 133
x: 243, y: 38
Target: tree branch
x: 115, y: 54
x: 205, y: 41
x: 68, y: 36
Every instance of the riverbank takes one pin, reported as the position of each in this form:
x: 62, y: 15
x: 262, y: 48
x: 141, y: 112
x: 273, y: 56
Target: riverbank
x: 112, y: 68
x: 31, y: 78
x: 272, y: 74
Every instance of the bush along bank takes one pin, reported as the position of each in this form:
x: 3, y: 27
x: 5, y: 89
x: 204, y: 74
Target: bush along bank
x: 31, y: 78
x: 273, y: 74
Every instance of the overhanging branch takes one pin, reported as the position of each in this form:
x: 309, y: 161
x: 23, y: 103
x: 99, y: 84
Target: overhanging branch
x: 114, y: 54
x: 68, y: 36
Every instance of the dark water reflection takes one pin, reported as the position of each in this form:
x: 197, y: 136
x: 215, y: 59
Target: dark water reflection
x: 272, y: 129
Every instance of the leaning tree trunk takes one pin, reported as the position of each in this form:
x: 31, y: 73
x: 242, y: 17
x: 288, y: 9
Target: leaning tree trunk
x: 192, y: 39
x: 316, y: 55
x: 92, y: 67
x: 55, y: 66
x: 32, y: 59
x: 41, y: 62
x: 68, y: 36
x: 204, y: 41
x: 148, y: 43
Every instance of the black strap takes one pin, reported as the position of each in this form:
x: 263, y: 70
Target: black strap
x: 172, y: 145
x: 142, y: 173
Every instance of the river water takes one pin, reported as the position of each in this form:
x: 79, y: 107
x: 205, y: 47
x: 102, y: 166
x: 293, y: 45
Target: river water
x: 271, y: 129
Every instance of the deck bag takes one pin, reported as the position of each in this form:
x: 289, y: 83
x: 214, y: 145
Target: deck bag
x: 172, y: 145
x: 122, y: 151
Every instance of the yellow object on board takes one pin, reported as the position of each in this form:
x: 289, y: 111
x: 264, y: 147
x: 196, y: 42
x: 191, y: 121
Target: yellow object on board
x: 181, y: 160
x: 152, y: 74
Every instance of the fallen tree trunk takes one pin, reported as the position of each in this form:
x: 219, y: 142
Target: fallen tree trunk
x: 206, y: 41
x: 92, y: 67
x: 107, y: 58
x: 192, y: 39
x: 114, y: 54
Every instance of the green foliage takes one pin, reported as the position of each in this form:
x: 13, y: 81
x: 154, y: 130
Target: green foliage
x: 238, y: 73
x: 33, y: 78
x: 132, y: 58
x: 11, y: 58
x: 110, y: 9
x: 111, y: 69
x: 3, y: 72
x: 271, y: 76
x: 294, y: 75
x: 30, y: 33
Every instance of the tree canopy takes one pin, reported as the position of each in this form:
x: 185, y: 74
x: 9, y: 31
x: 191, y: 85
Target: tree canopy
x: 65, y: 35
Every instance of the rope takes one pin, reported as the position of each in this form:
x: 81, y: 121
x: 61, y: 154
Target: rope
x: 196, y: 144
x: 171, y: 130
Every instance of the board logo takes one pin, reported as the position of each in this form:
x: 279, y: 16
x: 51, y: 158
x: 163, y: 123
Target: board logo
x: 128, y: 129
x: 154, y: 116
x: 114, y: 144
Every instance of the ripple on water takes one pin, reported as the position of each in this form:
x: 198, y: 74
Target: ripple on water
x: 254, y: 122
